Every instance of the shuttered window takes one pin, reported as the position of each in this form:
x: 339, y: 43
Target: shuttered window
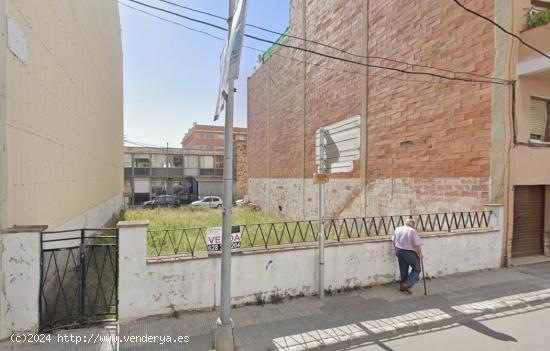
x: 538, y: 120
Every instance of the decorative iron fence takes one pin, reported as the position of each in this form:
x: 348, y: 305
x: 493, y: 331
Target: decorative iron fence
x: 78, y: 277
x: 189, y: 241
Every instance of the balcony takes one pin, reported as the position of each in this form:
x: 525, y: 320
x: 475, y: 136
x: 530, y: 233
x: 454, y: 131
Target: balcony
x: 530, y: 63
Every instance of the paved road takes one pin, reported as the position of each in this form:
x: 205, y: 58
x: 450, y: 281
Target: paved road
x: 526, y: 332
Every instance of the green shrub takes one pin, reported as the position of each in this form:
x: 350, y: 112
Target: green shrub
x: 539, y: 19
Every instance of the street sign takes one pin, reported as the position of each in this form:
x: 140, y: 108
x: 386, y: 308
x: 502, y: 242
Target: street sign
x: 342, y: 142
x: 320, y: 178
x: 214, y: 239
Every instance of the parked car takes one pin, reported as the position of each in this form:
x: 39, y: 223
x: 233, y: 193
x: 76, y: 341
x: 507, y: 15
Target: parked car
x: 163, y: 201
x: 210, y: 201
x: 240, y: 202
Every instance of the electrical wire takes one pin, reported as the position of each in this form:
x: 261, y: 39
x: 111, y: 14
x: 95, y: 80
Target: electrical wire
x: 502, y: 29
x: 184, y: 26
x: 334, y: 47
x: 323, y: 54
x: 316, y: 64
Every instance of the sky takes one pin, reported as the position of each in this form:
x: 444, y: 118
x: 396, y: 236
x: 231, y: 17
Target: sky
x: 171, y: 74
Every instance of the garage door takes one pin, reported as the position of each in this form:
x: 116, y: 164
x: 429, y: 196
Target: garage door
x: 528, y: 221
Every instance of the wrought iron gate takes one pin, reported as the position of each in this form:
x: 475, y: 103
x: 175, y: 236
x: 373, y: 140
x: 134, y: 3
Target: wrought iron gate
x: 78, y: 277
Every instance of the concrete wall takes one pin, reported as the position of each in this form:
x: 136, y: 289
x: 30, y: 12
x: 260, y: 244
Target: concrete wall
x: 19, y: 282
x: 62, y: 150
x: 299, y: 198
x: 158, y: 286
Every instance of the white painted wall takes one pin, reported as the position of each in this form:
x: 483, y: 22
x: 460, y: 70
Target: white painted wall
x: 19, y: 282
x: 152, y: 287
x: 95, y: 217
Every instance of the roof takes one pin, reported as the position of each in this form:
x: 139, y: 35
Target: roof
x: 210, y: 128
x: 206, y: 127
x: 170, y: 151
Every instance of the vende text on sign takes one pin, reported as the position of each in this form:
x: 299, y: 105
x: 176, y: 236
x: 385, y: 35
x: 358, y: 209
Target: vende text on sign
x: 214, y: 239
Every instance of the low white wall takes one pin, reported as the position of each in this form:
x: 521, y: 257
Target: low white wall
x: 19, y: 282
x: 149, y: 287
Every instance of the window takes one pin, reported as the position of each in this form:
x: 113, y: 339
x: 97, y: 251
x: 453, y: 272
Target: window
x: 142, y: 161
x: 159, y: 161
x: 207, y: 162
x: 539, y: 128
x: 127, y: 161
x: 177, y: 161
x: 209, y: 148
x: 208, y: 135
x: 191, y: 161
x: 218, y: 161
x: 158, y: 187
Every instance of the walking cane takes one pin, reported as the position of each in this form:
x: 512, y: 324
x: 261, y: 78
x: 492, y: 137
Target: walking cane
x: 423, y: 276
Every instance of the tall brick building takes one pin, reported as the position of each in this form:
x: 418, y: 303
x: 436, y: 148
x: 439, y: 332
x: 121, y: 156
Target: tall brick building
x: 427, y: 144
x: 209, y: 138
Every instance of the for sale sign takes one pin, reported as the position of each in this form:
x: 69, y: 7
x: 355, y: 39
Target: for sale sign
x: 214, y: 239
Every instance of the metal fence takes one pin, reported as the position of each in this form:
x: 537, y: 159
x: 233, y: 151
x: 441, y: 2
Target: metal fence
x: 78, y: 277
x: 189, y: 241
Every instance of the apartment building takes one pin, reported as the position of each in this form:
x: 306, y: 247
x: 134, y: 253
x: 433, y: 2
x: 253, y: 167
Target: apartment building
x: 190, y: 174
x: 209, y: 138
x: 61, y: 113
x: 427, y: 144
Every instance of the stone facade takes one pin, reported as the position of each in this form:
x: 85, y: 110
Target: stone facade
x: 426, y: 144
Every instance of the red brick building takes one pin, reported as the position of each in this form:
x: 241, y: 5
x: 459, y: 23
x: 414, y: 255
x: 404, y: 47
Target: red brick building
x: 209, y: 138
x: 427, y: 144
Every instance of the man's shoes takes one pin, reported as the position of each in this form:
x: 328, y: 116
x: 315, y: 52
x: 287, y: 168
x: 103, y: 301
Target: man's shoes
x: 405, y: 289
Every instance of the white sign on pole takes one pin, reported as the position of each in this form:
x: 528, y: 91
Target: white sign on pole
x: 231, y: 55
x: 214, y: 240
x: 342, y: 144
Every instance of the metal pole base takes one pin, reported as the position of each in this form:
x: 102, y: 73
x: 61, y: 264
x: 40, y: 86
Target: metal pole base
x: 224, y: 336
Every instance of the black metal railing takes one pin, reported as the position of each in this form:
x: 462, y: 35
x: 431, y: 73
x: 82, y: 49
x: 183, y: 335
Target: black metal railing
x: 189, y: 241
x: 78, y: 277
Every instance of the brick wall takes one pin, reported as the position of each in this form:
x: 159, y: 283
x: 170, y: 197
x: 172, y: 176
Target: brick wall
x: 428, y: 140
x: 240, y: 168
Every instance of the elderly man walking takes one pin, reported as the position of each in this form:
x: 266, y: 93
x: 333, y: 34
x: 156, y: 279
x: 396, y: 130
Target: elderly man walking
x: 408, y: 249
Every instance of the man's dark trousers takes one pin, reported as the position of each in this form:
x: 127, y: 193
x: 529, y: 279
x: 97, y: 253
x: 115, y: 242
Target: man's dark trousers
x: 408, y: 259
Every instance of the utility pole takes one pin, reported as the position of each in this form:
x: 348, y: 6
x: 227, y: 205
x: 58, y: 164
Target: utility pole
x: 224, y: 328
x: 166, y: 165
x: 322, y: 170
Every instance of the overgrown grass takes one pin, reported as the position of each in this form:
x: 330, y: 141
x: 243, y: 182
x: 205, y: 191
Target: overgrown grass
x: 197, y: 217
x: 183, y: 230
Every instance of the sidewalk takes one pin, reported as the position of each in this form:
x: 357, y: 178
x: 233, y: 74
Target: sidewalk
x: 344, y: 320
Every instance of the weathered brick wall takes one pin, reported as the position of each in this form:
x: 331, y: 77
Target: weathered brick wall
x: 443, y: 164
x: 240, y: 168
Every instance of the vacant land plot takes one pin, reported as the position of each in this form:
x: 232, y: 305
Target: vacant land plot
x: 195, y: 217
x: 183, y: 230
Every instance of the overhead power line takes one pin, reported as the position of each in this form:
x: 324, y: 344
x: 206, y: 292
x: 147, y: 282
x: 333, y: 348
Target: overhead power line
x: 332, y: 47
x: 502, y: 29
x: 184, y: 26
x: 404, y: 71
x: 310, y: 63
